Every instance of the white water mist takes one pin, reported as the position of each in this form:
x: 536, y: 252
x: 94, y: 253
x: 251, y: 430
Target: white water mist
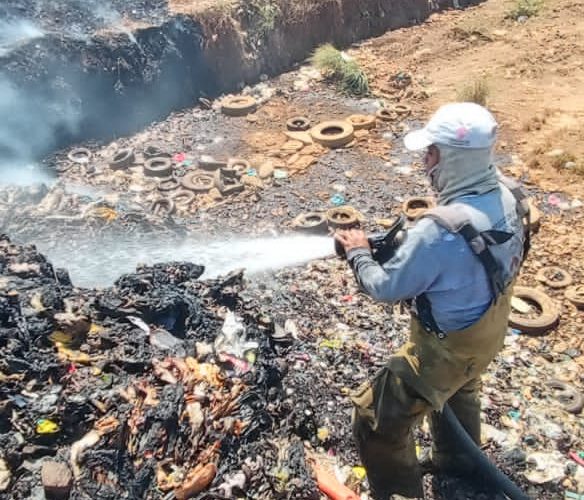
x: 100, y: 262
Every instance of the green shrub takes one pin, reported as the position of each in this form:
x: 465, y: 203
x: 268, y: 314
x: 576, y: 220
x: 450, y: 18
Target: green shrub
x: 334, y: 65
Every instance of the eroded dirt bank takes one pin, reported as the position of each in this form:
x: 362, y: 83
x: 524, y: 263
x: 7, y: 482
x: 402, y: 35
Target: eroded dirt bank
x: 70, y: 74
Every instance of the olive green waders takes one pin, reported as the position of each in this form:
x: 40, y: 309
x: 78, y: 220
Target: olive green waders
x: 419, y: 379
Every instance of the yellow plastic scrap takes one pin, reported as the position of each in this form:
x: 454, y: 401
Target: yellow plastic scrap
x: 250, y: 357
x: 59, y: 337
x: 323, y: 434
x: 105, y: 213
x: 44, y: 426
x: 359, y: 472
x: 95, y: 329
x: 68, y: 355
x: 331, y: 344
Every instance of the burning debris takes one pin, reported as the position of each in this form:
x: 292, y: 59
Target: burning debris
x: 159, y: 384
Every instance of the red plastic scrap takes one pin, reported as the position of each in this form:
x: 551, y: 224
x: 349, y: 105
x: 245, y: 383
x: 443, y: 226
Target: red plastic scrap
x: 577, y: 457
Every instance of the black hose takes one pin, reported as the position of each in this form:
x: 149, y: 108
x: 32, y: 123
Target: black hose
x: 499, y: 480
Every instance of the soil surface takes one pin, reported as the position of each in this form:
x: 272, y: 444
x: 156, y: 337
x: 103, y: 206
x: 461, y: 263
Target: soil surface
x: 534, y: 69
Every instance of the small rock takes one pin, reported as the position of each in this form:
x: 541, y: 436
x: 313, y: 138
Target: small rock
x: 499, y: 33
x: 215, y: 194
x: 570, y: 165
x: 555, y: 153
x: 266, y: 170
x: 516, y: 456
x: 252, y: 181
x: 57, y: 480
x: 303, y: 137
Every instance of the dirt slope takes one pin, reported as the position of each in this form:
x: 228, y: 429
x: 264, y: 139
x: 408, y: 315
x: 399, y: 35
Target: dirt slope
x: 534, y: 70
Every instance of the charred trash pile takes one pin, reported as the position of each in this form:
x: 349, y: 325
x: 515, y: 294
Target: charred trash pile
x: 161, y: 386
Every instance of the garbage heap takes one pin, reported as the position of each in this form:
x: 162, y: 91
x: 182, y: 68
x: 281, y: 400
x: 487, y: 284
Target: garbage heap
x: 162, y: 386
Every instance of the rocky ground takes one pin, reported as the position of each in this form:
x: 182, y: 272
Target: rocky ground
x: 166, y: 385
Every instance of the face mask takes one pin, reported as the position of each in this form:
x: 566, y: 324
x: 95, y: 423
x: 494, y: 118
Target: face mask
x: 433, y: 175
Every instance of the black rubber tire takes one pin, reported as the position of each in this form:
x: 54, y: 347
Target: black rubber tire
x: 543, y: 276
x: 311, y: 222
x: 342, y: 218
x: 298, y: 124
x: 198, y: 182
x: 416, y: 206
x: 402, y: 110
x: 165, y: 204
x: 236, y: 167
x: 241, y: 105
x: 168, y: 184
x: 362, y: 122
x: 122, y: 159
x: 340, y: 133
x: 154, y: 152
x: 548, y: 318
x: 158, y: 167
x: 227, y: 185
x: 386, y: 115
x: 183, y: 198
x: 80, y: 155
x: 571, y: 398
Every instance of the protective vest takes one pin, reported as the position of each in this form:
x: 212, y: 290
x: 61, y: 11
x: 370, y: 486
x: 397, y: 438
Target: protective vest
x: 455, y: 219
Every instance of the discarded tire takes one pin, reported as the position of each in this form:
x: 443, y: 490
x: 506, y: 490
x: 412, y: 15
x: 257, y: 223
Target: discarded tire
x: 415, y: 207
x: 298, y: 124
x: 163, y: 206
x: 238, y: 105
x: 333, y: 134
x: 576, y: 296
x: 554, y: 277
x: 342, y: 218
x: 211, y: 164
x: 362, y: 122
x: 386, y: 115
x: 402, y: 110
x: 158, y: 167
x: 154, y: 152
x: 198, y: 182
x: 122, y: 159
x: 571, y: 398
x: 236, y: 167
x: 168, y: 185
x: 80, y: 155
x: 545, y: 321
x: 183, y: 198
x: 227, y: 185
x: 311, y: 222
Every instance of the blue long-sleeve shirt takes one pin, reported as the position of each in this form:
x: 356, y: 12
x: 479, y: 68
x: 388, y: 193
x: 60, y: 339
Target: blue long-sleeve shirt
x: 441, y: 265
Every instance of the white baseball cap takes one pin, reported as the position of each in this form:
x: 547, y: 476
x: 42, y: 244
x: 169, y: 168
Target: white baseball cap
x: 459, y: 125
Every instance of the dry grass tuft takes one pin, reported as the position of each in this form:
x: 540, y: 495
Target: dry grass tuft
x: 478, y: 92
x: 525, y: 8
